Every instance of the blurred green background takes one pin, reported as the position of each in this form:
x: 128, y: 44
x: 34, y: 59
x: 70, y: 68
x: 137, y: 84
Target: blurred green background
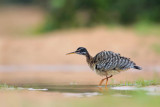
x: 86, y: 13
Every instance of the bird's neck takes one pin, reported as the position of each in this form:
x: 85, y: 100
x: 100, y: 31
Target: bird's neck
x: 88, y: 58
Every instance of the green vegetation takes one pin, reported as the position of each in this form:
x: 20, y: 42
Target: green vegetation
x: 156, y: 48
x: 147, y: 28
x: 143, y: 14
x: 78, y: 13
x: 17, y: 2
x: 139, y: 83
x: 5, y: 86
x: 142, y: 83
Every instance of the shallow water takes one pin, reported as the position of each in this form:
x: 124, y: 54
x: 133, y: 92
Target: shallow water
x: 92, y: 90
x: 64, y: 88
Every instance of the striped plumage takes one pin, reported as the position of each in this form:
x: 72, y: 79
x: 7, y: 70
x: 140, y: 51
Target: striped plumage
x: 107, y: 63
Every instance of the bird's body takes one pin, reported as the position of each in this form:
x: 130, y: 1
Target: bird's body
x: 107, y: 63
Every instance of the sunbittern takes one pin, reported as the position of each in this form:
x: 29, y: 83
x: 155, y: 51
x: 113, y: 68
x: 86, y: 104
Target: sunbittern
x: 106, y: 63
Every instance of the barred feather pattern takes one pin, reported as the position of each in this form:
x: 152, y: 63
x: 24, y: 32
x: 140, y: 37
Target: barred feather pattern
x: 110, y: 63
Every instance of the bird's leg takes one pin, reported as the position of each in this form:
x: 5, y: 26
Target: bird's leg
x: 102, y: 81
x: 107, y: 80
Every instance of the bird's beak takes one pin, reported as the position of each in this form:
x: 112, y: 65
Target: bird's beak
x: 71, y: 53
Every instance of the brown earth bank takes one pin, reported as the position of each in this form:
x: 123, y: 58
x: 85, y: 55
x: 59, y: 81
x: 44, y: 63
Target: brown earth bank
x: 52, y: 47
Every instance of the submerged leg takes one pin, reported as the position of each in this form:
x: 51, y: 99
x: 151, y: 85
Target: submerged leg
x: 107, y: 80
x: 102, y: 81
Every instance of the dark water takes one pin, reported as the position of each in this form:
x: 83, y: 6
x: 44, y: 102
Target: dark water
x: 64, y: 88
x: 92, y: 90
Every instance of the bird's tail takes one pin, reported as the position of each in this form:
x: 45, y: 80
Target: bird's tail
x: 137, y: 67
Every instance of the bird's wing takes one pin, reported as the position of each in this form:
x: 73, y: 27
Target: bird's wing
x: 108, y: 60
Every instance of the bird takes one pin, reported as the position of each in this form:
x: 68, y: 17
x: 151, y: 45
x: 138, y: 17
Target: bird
x: 106, y: 63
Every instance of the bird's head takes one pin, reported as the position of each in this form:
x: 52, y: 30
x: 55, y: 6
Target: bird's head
x: 80, y: 51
